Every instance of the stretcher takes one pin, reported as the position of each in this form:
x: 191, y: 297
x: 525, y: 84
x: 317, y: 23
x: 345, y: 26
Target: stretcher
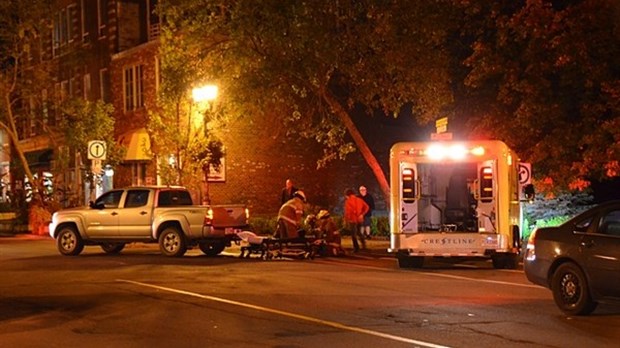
x: 268, y: 248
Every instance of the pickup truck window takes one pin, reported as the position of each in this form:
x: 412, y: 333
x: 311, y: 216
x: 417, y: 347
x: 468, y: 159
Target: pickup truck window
x: 110, y: 199
x: 136, y: 198
x: 169, y: 198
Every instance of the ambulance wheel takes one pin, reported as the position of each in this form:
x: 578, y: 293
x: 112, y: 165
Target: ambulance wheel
x: 505, y: 261
x: 410, y: 261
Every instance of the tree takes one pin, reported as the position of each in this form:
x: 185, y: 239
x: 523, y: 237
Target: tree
x: 545, y: 77
x: 310, y: 64
x: 180, y: 125
x: 84, y: 121
x: 22, y: 24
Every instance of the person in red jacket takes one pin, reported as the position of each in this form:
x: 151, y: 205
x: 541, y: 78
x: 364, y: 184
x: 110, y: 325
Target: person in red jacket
x: 354, y: 210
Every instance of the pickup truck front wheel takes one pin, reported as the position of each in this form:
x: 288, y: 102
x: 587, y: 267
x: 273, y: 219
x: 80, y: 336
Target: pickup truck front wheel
x: 212, y: 247
x: 171, y: 242
x: 69, y: 242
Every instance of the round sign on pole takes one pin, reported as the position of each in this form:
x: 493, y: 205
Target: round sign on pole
x: 525, y: 173
x: 96, y: 149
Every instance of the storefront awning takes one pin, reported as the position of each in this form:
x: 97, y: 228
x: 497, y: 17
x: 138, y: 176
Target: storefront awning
x: 138, y: 145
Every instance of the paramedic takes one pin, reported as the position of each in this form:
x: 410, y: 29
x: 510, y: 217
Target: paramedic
x: 328, y: 228
x: 289, y: 216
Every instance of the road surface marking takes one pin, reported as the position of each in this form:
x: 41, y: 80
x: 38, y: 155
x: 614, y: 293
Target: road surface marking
x: 481, y: 280
x: 288, y: 314
x: 437, y: 274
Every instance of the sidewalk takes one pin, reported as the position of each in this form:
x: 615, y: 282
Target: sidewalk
x: 376, y: 246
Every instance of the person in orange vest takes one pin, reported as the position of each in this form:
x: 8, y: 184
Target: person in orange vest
x: 354, y: 210
x: 289, y: 216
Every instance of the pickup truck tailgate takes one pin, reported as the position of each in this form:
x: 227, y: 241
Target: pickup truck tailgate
x: 229, y: 217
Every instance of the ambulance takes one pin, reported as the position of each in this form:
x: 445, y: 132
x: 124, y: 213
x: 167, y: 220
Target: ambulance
x: 454, y: 199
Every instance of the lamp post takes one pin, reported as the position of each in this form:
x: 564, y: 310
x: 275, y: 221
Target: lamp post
x: 205, y: 94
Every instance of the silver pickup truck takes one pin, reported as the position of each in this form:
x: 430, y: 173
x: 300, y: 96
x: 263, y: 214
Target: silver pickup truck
x: 148, y: 214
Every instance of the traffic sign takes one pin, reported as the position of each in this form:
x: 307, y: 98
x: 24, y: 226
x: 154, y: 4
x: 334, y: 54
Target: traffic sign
x: 96, y: 149
x: 96, y: 166
x: 525, y: 174
x: 442, y: 125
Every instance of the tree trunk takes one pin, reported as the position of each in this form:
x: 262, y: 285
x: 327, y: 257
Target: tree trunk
x: 11, y: 131
x: 371, y: 160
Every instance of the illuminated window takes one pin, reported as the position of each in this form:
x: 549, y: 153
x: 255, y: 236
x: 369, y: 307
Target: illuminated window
x: 133, y: 87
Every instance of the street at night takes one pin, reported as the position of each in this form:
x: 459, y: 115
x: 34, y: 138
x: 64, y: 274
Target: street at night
x: 140, y: 298
x: 294, y: 173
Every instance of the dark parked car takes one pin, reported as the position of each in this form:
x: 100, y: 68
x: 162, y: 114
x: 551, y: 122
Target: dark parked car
x: 578, y: 260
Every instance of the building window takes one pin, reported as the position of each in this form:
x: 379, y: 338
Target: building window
x: 62, y: 33
x: 44, y: 107
x: 31, y: 116
x: 138, y: 174
x: 104, y: 85
x: 87, y: 86
x: 133, y: 88
x: 102, y: 16
x: 84, y: 19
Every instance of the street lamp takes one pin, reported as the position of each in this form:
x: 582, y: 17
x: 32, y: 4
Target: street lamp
x: 206, y: 94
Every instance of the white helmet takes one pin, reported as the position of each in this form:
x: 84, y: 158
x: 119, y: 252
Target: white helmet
x: 300, y: 194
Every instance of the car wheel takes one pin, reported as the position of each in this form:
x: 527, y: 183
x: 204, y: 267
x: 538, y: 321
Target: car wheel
x: 410, y: 261
x: 112, y: 248
x: 172, y: 242
x: 212, y: 247
x: 69, y: 242
x: 570, y: 290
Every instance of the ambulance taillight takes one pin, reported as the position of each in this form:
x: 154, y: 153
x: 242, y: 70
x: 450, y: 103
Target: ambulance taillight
x: 409, y: 187
x: 486, y: 184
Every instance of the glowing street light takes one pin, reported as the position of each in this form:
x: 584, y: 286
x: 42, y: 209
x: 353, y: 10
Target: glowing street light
x: 204, y: 93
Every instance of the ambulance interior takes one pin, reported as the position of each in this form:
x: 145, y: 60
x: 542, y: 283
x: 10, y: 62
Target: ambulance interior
x: 449, y: 199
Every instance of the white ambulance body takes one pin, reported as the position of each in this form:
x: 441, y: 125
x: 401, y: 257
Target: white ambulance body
x: 454, y: 199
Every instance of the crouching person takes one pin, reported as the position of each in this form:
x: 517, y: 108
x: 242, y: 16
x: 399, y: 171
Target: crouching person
x: 331, y: 233
x: 289, y: 217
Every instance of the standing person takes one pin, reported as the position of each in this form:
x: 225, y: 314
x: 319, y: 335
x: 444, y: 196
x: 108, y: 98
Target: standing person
x: 354, y: 210
x: 289, y: 216
x: 365, y: 228
x: 288, y: 191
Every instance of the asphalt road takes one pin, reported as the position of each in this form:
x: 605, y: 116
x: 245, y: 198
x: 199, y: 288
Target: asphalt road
x: 139, y: 299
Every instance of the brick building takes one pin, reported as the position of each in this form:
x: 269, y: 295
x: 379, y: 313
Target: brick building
x: 117, y: 43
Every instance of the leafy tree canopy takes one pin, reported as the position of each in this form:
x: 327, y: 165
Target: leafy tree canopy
x: 311, y: 62
x: 545, y: 77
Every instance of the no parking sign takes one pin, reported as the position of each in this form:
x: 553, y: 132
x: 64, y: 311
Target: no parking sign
x: 525, y: 174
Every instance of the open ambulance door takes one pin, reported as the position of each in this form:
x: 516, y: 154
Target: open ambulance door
x: 409, y: 197
x: 487, y: 196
